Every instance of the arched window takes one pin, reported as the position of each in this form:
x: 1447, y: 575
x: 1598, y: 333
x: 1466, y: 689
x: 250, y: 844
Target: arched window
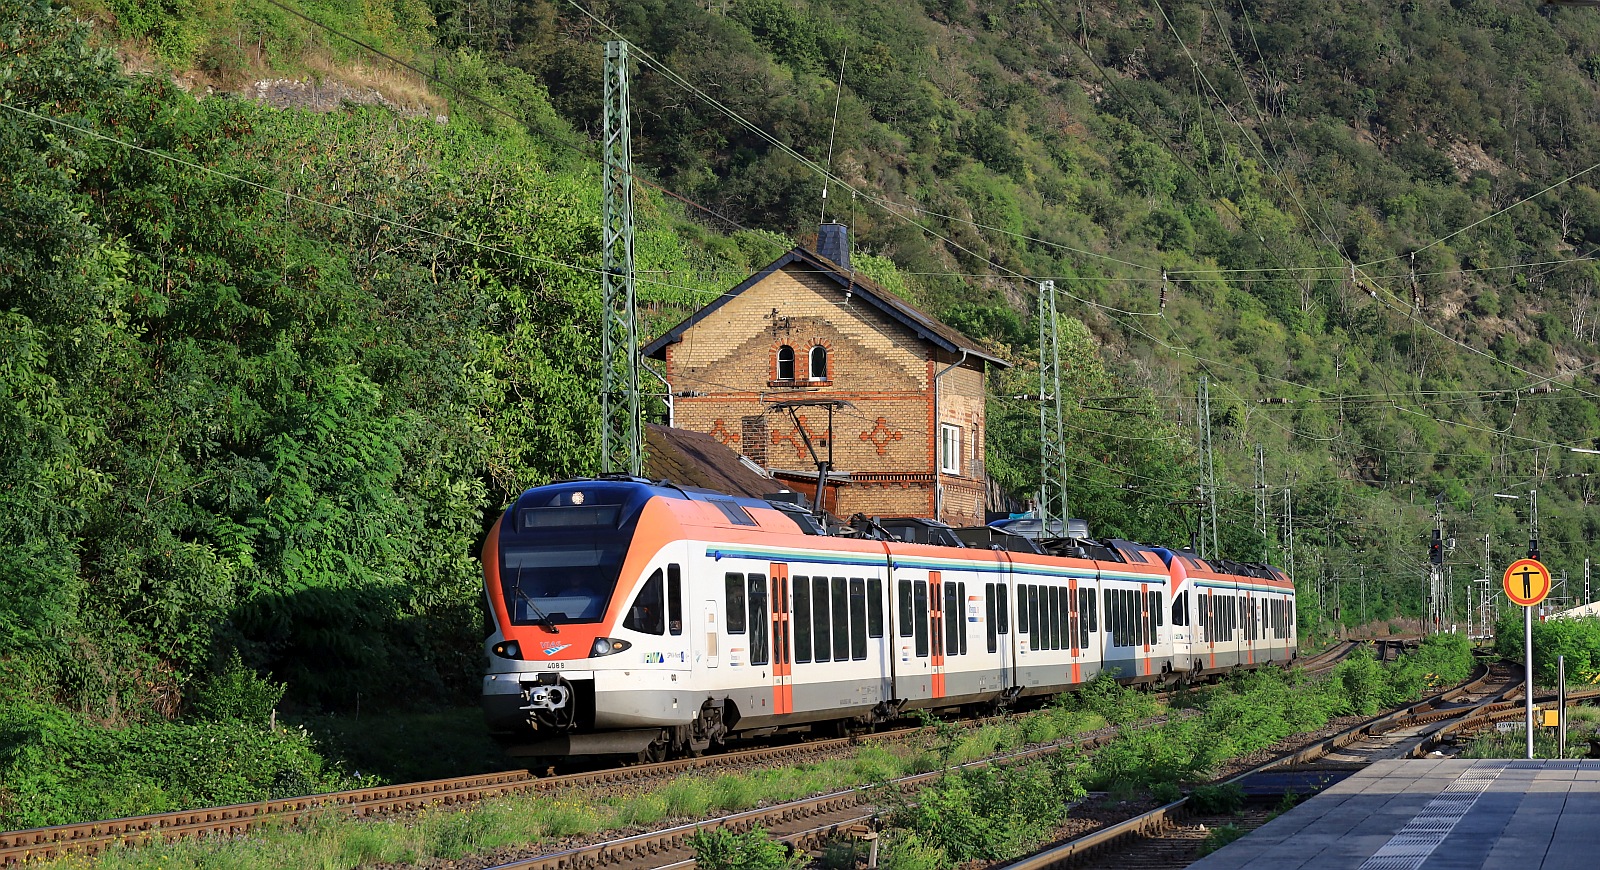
x: 819, y: 363
x: 786, y: 363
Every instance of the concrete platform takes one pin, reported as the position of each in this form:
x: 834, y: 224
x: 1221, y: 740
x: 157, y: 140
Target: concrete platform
x: 1436, y: 814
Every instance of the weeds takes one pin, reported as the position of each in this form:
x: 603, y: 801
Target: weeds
x: 1219, y: 837
x: 722, y: 849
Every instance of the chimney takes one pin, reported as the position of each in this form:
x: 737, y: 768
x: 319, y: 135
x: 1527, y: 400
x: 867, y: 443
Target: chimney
x: 833, y: 242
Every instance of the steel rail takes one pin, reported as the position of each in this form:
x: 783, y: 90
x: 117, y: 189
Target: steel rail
x: 1165, y: 816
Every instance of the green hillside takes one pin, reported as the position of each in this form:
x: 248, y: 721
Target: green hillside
x: 267, y: 374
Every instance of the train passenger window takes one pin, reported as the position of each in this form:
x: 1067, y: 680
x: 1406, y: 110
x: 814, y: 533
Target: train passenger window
x: 1022, y: 608
x: 1159, y: 611
x: 1085, y: 608
x: 822, y: 638
x: 841, y: 621
x: 903, y: 590
x: 874, y: 607
x: 733, y: 587
x: 989, y: 623
x: 961, y: 615
x: 1055, y: 618
x: 858, y: 618
x: 1035, y: 630
x: 802, y: 619
x: 919, y: 609
x: 758, y: 619
x: 675, y: 598
x: 1111, y: 617
x: 645, y: 614
x: 1058, y: 618
x: 1002, y: 607
x: 1094, y: 610
x: 953, y: 621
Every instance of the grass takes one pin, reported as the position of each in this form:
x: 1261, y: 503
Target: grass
x: 332, y: 841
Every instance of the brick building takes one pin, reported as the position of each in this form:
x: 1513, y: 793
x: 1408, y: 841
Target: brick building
x: 808, y: 328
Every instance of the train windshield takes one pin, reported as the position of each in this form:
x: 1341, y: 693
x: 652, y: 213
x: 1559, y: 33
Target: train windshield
x: 562, y: 551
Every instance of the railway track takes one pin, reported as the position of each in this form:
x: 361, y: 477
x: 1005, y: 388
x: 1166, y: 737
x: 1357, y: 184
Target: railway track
x: 800, y: 826
x: 89, y: 838
x: 1168, y: 837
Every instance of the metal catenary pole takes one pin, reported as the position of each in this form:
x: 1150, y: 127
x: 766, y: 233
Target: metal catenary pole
x: 621, y: 444
x: 1052, y: 428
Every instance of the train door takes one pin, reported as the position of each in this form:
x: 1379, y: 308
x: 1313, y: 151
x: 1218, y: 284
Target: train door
x: 936, y: 618
x: 1075, y: 624
x: 1145, y: 627
x: 782, y: 649
x: 1211, y: 629
x: 1249, y: 602
x: 912, y: 641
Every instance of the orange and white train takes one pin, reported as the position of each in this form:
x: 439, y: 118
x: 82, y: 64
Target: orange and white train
x: 640, y: 618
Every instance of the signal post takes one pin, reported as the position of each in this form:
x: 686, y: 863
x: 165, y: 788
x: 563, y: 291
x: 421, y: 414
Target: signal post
x: 1527, y: 582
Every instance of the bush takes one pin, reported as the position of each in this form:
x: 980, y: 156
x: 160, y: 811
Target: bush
x: 989, y: 813
x: 722, y: 849
x: 58, y: 767
x: 239, y: 693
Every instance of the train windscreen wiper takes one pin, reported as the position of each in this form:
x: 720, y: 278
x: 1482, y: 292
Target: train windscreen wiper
x: 541, y: 618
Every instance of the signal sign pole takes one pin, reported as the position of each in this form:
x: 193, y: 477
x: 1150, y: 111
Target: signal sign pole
x: 1527, y: 582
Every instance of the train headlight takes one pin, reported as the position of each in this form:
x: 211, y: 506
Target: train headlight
x: 508, y: 649
x: 605, y: 646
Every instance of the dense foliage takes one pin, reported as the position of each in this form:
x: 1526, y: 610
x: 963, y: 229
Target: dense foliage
x: 266, y: 375
x: 1576, y: 639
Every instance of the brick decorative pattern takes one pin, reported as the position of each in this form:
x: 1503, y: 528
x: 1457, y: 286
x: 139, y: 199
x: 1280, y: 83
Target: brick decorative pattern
x: 721, y: 432
x: 881, y: 436
x: 883, y: 369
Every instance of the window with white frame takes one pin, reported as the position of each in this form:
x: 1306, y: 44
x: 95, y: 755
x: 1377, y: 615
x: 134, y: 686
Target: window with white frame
x: 819, y: 363
x: 949, y: 449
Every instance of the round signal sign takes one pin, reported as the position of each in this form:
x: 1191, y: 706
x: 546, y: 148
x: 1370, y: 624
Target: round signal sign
x: 1527, y: 582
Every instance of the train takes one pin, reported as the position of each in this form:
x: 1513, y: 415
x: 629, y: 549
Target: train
x: 645, y: 619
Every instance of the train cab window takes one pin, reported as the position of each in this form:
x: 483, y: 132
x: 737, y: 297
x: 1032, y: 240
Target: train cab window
x: 758, y: 619
x: 874, y: 607
x: 989, y: 624
x: 841, y: 621
x: 1002, y: 607
x: 675, y: 598
x: 919, y: 610
x: 1180, y: 609
x: 858, y: 618
x: 646, y: 612
x: 733, y: 587
x: 822, y: 637
x: 903, y: 590
x: 802, y: 619
x: 953, y: 623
